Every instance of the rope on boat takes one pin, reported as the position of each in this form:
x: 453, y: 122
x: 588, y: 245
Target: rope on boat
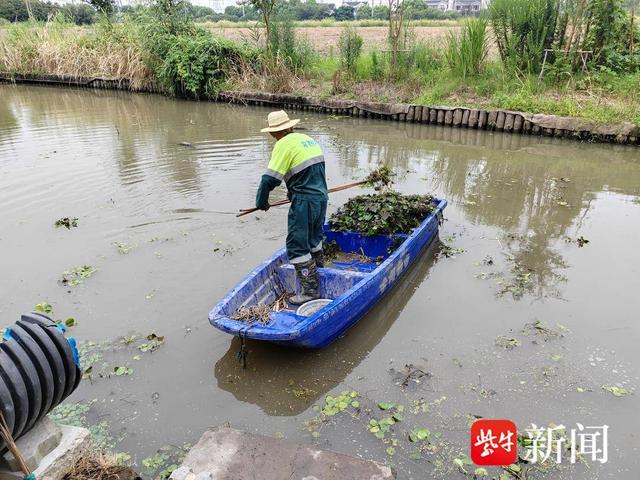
x: 243, y: 352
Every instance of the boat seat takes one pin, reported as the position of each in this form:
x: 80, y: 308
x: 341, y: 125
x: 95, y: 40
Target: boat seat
x: 333, y: 282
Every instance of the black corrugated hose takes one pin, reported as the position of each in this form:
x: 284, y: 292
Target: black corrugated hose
x: 39, y: 368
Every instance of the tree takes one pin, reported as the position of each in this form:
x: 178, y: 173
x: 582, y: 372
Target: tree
x: 344, y: 13
x: 233, y: 12
x: 380, y: 12
x: 79, y: 13
x: 608, y: 28
x: 105, y: 7
x: 265, y: 9
x: 198, y: 11
x: 396, y: 28
x: 170, y: 17
x: 417, y: 9
x: 311, y: 10
x: 13, y: 10
x: 363, y: 12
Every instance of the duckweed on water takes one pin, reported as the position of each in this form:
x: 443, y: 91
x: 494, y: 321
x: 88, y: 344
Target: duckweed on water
x: 379, y: 427
x: 506, y: 342
x: 76, y: 275
x: 616, y: 391
x: 347, y: 401
x: 449, y: 251
x: 335, y: 405
x: 420, y: 434
x: 152, y: 344
x: 162, y: 464
x: 75, y: 415
x: 44, y: 307
x: 67, y: 222
x: 47, y: 309
x: 94, y: 365
x: 123, y: 248
x: 388, y: 212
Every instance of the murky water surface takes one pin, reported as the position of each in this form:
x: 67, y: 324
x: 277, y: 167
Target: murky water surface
x: 154, y: 220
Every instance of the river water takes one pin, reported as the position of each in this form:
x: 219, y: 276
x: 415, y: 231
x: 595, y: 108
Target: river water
x: 155, y: 220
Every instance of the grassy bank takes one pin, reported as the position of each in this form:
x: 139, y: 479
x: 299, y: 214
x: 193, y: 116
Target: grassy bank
x: 185, y: 59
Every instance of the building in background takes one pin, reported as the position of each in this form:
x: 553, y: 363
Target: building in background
x: 463, y: 7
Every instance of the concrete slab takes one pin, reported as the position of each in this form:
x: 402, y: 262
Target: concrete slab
x: 227, y: 454
x: 73, y: 442
x: 34, y: 445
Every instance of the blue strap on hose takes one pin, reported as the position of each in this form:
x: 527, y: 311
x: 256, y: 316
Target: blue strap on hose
x: 74, y: 348
x: 31, y: 476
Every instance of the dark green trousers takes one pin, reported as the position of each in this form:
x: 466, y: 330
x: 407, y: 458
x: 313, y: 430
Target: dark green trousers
x: 305, y: 226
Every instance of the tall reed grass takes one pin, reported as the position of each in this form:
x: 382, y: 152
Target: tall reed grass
x: 523, y: 29
x: 466, y: 53
x: 59, y: 48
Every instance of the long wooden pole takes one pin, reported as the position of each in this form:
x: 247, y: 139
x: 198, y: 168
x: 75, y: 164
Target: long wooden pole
x: 246, y: 211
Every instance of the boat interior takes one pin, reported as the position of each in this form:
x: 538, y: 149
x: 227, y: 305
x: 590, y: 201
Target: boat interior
x: 363, y: 255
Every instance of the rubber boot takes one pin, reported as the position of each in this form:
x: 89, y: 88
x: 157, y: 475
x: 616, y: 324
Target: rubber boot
x: 318, y: 257
x: 307, y: 274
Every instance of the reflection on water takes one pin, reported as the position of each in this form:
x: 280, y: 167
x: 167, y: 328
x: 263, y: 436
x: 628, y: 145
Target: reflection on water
x: 164, y: 177
x: 285, y: 381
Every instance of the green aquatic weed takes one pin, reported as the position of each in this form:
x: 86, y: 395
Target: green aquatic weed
x: 76, y: 275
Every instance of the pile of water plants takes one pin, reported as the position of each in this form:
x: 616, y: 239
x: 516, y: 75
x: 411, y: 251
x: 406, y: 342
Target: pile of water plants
x: 382, y: 213
x: 381, y: 178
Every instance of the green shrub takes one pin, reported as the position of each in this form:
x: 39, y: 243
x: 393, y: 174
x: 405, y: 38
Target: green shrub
x: 427, y: 58
x: 197, y: 66
x: 350, y: 47
x: 377, y: 66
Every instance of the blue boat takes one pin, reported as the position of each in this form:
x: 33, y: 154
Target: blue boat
x: 353, y: 287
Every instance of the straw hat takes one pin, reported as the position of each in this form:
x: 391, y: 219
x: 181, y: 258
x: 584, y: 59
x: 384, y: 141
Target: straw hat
x: 279, y: 121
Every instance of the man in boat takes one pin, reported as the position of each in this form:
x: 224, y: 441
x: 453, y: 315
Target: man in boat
x: 298, y: 160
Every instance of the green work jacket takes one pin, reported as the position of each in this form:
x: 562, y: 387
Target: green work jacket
x: 298, y: 160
